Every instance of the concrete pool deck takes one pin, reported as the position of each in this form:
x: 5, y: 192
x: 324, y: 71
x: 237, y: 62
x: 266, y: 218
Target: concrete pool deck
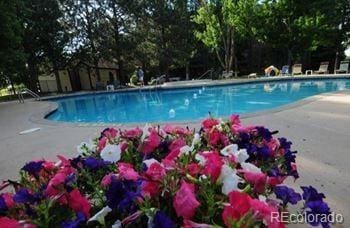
x: 319, y: 130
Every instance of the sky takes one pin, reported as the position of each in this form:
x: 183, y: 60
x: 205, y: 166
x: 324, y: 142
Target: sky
x: 347, y: 52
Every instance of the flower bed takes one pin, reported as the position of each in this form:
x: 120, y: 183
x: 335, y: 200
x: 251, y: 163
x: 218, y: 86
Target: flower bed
x: 225, y: 175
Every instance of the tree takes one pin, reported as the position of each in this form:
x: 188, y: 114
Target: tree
x: 222, y: 22
x: 299, y: 27
x: 164, y: 34
x: 11, y: 51
x: 52, y: 35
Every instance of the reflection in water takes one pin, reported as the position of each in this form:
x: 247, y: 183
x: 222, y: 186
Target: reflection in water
x: 321, y: 86
x: 188, y: 104
x: 268, y: 88
x: 283, y: 87
x: 295, y: 87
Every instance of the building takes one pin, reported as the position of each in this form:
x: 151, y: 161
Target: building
x: 81, y: 76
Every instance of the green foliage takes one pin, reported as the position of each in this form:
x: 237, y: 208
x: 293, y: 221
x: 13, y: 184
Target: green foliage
x: 221, y: 24
x: 11, y: 52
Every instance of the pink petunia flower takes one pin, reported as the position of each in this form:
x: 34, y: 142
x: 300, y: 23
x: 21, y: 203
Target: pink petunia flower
x: 174, y: 148
x: 155, y: 172
x: 78, y: 202
x: 149, y: 188
x: 110, y: 133
x: 258, y: 180
x: 238, y: 207
x: 101, y: 143
x: 234, y: 120
x: 9, y: 223
x: 132, y: 133
x: 8, y: 199
x: 264, y: 211
x: 127, y: 171
x: 193, y: 169
x: 185, y: 202
x: 213, y: 164
x: 214, y: 137
x: 107, y: 179
x: 209, y: 123
x: 151, y: 143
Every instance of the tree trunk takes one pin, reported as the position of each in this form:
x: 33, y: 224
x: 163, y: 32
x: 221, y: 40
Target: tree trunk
x: 12, y: 85
x: 290, y: 57
x: 57, y: 76
x: 33, y: 75
x: 117, y: 45
x: 188, y: 71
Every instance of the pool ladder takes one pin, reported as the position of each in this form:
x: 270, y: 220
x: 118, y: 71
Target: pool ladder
x: 27, y: 91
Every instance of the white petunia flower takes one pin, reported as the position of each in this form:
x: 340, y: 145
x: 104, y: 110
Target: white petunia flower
x: 149, y: 162
x: 185, y: 150
x: 229, y: 179
x: 232, y: 149
x: 99, y: 216
x: 242, y: 155
x: 200, y: 159
x: 117, y: 224
x: 250, y: 167
x: 196, y: 139
x: 111, y: 153
x: 145, y: 132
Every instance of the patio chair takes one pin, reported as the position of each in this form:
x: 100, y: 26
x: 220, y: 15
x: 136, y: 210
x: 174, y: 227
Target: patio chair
x: 343, y: 68
x: 285, y: 70
x: 227, y: 75
x: 323, y: 68
x: 297, y: 69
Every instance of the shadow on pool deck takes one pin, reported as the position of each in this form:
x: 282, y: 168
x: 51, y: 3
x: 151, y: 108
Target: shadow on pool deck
x: 319, y: 130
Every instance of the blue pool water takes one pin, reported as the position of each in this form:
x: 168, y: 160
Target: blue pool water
x: 188, y: 104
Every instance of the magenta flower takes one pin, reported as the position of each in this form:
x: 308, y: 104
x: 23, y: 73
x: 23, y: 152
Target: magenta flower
x: 132, y: 133
x: 185, y: 202
x: 79, y: 203
x: 126, y: 171
x: 213, y: 164
x: 209, y: 123
x: 150, y: 143
x: 7, y: 222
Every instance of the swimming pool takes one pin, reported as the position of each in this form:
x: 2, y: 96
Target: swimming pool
x: 163, y: 105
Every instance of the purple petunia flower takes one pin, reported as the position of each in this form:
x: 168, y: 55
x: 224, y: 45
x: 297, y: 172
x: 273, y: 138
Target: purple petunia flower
x: 93, y: 164
x: 33, y: 167
x: 264, y: 152
x: 284, y: 143
x: 23, y: 196
x: 121, y: 194
x: 287, y: 195
x: 311, y: 194
x: 161, y: 220
x: 318, y: 209
x: 77, y: 222
x: 3, y: 206
x: 264, y: 133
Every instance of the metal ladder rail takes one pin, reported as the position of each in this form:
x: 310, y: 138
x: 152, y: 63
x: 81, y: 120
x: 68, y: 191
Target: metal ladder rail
x: 208, y: 71
x: 28, y: 91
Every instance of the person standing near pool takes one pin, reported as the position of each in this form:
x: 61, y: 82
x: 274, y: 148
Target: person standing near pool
x: 140, y: 74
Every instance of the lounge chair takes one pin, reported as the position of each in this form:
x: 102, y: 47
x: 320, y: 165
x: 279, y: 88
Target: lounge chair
x: 227, y: 75
x: 323, y: 68
x: 158, y: 81
x: 285, y: 70
x: 297, y: 69
x: 343, y: 68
